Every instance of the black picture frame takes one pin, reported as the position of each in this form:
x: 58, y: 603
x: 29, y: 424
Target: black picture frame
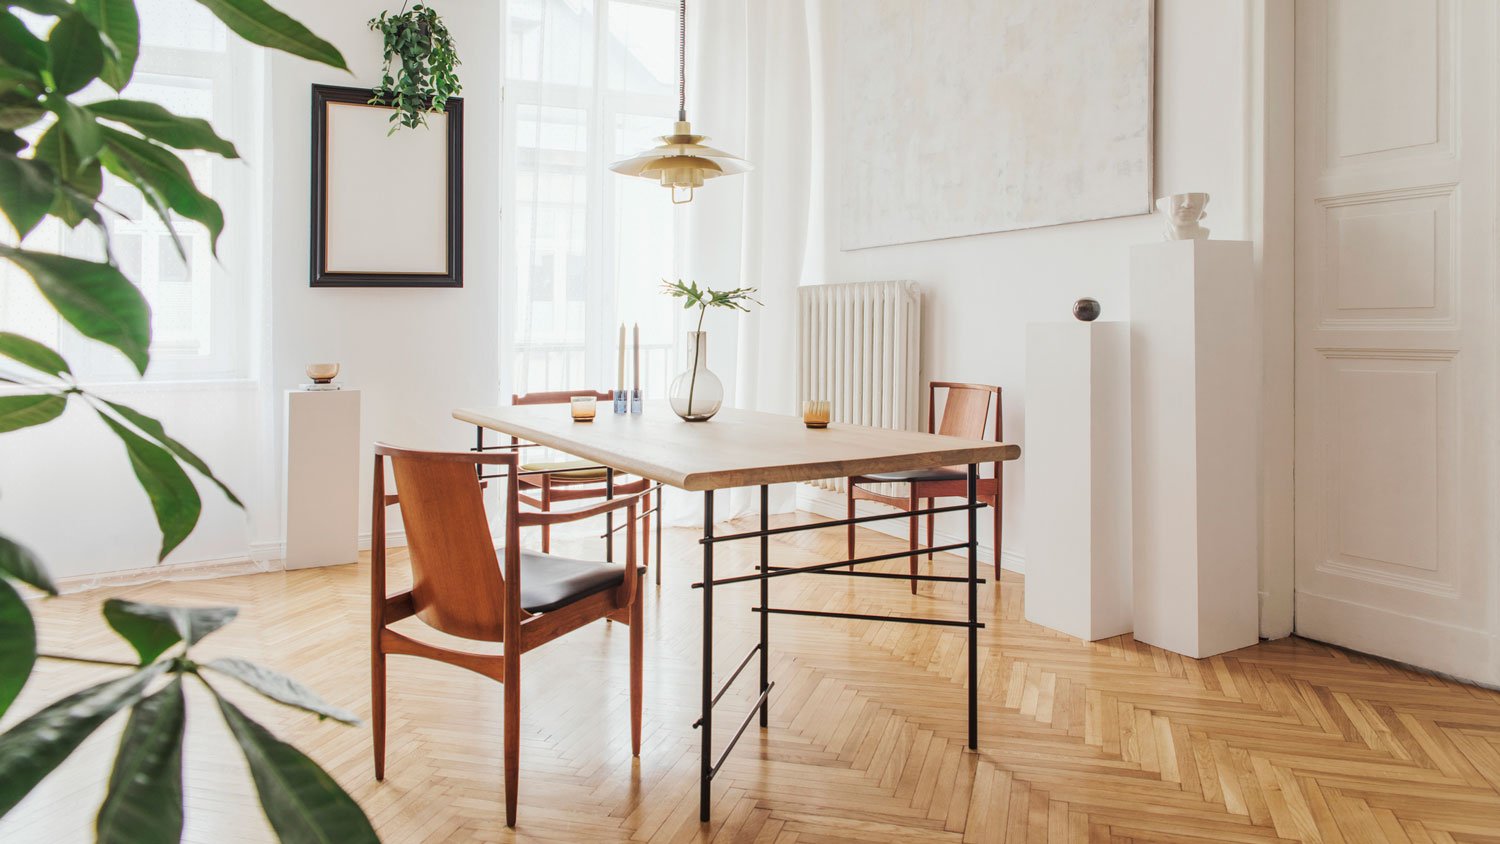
x: 320, y: 276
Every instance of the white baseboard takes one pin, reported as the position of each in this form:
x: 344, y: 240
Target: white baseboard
x: 831, y: 505
x: 196, y: 570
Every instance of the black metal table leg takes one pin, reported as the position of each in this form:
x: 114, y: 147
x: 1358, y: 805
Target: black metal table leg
x: 765, y: 601
x: 974, y: 608
x: 706, y: 749
x: 609, y: 518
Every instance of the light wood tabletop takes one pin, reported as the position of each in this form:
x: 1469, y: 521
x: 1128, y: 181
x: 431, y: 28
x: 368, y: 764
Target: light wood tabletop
x: 736, y: 448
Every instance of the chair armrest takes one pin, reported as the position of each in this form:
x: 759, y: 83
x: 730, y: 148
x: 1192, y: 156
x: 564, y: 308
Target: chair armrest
x: 555, y: 517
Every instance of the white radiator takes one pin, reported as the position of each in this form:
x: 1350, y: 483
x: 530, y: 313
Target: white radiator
x: 859, y: 346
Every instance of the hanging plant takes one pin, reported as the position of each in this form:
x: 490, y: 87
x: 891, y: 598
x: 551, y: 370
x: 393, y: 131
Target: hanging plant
x: 424, y: 79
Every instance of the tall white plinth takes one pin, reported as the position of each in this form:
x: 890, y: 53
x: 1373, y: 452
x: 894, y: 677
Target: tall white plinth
x: 1195, y: 398
x: 1078, y: 477
x: 322, y: 478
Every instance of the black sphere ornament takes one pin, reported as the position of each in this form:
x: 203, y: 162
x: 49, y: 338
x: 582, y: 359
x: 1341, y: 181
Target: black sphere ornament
x: 1086, y: 310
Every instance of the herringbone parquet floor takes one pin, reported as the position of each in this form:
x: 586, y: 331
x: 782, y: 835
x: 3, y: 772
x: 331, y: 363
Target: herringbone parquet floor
x: 1106, y: 742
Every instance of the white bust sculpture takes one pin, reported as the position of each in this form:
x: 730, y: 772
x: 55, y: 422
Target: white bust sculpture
x: 1183, y: 211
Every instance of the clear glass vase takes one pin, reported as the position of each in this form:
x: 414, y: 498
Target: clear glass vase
x: 697, y: 394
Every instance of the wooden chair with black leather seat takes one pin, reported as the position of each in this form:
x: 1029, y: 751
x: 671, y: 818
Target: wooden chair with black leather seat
x: 463, y: 586
x: 573, y: 480
x: 966, y: 413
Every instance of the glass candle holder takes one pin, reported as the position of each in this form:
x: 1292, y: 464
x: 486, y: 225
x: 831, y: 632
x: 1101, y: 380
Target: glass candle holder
x: 815, y: 413
x: 583, y: 408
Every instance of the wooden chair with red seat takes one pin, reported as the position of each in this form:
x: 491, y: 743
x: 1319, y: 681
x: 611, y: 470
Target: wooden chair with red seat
x: 966, y: 413
x: 463, y: 586
x: 573, y: 480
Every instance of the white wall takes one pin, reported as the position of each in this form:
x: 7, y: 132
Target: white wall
x: 414, y: 354
x: 982, y: 291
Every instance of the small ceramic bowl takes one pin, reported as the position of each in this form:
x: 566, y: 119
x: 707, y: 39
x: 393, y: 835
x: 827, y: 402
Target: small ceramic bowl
x: 322, y: 373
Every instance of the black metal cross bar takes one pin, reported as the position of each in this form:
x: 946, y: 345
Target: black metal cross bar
x: 859, y: 520
x: 889, y: 575
x: 859, y: 616
x: 727, y: 683
x: 821, y: 567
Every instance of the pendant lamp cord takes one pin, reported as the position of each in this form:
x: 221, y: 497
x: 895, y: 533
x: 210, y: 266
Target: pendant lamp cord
x: 682, y: 61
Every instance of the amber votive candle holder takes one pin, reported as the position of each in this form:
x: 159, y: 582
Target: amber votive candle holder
x: 583, y: 408
x: 815, y: 413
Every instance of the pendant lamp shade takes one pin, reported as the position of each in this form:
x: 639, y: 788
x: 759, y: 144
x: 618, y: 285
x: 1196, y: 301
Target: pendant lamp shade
x: 681, y: 162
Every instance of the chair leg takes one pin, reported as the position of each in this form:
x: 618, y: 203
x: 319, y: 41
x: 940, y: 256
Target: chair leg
x: 913, y: 537
x: 930, y: 519
x: 377, y: 707
x: 546, y: 508
x: 851, y: 527
x: 998, y: 513
x: 646, y: 537
x: 637, y: 639
x: 512, y: 694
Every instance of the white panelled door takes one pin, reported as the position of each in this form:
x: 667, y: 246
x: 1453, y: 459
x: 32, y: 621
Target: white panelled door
x: 1396, y: 315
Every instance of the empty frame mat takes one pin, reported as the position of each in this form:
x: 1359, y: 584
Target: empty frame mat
x: 387, y: 206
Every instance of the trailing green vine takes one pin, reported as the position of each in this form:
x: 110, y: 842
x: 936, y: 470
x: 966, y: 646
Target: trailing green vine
x: 417, y: 43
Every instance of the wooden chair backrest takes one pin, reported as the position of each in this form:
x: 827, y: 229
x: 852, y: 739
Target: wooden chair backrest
x: 966, y: 409
x: 559, y: 396
x: 457, y: 585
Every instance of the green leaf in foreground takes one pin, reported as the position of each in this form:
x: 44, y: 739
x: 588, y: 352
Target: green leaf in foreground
x: 158, y: 173
x: 120, y: 24
x: 17, y: 644
x: 18, y: 412
x: 154, y: 429
x: 151, y: 628
x: 300, y: 799
x: 144, y: 803
x: 259, y: 23
x: 280, y: 688
x: 26, y: 188
x: 33, y: 354
x: 173, y: 496
x: 95, y: 298
x: 76, y: 55
x: 17, y: 561
x: 33, y: 748
x: 163, y: 126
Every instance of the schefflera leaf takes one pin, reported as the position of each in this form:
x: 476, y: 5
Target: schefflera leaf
x: 17, y: 644
x: 32, y: 749
x: 300, y: 799
x: 144, y: 801
x: 151, y: 628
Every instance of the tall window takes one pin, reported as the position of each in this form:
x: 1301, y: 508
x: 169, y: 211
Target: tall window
x: 190, y: 65
x: 589, y: 82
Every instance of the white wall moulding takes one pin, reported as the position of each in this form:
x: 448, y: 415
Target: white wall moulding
x: 322, y: 478
x: 1078, y: 477
x: 1195, y: 405
x: 963, y: 117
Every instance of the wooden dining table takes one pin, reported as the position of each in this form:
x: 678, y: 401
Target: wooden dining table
x: 741, y: 448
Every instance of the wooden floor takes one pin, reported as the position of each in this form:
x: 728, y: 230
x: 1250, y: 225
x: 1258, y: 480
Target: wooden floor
x: 1105, y: 742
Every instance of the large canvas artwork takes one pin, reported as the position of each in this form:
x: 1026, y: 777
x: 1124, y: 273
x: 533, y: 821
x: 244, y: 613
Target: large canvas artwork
x: 972, y: 116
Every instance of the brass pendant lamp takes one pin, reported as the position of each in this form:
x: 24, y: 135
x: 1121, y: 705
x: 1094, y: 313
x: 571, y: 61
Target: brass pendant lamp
x: 681, y: 162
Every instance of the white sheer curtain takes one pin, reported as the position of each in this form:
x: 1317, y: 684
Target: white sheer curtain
x: 588, y: 82
x: 752, y: 88
x: 587, y: 248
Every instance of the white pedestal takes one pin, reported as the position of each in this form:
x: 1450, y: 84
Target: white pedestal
x: 1195, y: 380
x: 1078, y: 477
x: 322, y: 478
